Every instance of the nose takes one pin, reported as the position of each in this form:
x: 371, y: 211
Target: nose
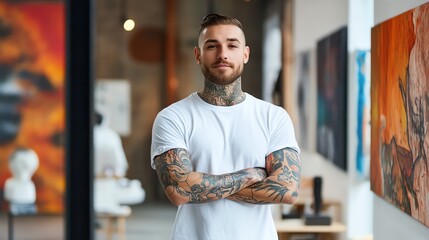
x: 222, y: 53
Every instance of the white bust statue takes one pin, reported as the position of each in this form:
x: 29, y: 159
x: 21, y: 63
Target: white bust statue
x: 19, y: 189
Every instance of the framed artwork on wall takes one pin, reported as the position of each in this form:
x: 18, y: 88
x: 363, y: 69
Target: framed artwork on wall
x: 362, y: 74
x: 400, y: 112
x: 332, y: 97
x: 112, y: 98
x: 305, y: 99
x: 32, y: 103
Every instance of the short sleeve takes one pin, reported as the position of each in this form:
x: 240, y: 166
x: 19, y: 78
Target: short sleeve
x: 282, y: 132
x: 167, y: 133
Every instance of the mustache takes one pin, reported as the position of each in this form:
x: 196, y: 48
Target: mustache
x: 222, y: 62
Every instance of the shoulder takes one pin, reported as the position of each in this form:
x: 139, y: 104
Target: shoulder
x: 105, y: 133
x: 177, y: 113
x: 177, y: 108
x: 266, y: 106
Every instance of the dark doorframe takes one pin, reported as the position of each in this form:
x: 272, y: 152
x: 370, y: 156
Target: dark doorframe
x: 79, y: 214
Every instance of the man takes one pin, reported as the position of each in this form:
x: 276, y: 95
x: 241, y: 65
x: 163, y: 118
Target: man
x: 110, y: 159
x: 112, y: 189
x: 222, y: 154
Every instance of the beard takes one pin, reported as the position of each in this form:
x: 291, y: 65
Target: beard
x: 221, y: 77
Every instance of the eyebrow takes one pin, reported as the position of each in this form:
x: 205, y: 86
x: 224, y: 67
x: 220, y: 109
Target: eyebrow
x: 216, y: 41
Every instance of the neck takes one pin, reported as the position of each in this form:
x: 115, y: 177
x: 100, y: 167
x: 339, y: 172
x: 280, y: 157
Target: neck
x: 222, y: 95
x: 22, y: 178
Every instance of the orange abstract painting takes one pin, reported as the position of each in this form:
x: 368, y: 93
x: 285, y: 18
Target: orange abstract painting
x: 400, y: 112
x: 32, y: 104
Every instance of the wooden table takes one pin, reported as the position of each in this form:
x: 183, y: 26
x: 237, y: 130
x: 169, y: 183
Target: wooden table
x: 288, y: 227
x: 115, y: 224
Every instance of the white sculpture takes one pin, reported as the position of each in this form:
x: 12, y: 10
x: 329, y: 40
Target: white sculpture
x: 109, y: 155
x: 111, y: 189
x: 19, y: 189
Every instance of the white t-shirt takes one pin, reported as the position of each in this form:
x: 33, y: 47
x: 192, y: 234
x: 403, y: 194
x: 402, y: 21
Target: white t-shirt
x: 223, y: 140
x: 109, y: 154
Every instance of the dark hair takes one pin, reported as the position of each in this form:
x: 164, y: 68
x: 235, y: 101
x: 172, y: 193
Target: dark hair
x: 98, y: 118
x: 213, y: 19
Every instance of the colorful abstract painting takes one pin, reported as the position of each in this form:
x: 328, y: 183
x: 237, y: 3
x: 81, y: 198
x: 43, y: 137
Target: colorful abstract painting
x: 363, y: 130
x: 400, y: 112
x: 332, y: 97
x: 32, y: 107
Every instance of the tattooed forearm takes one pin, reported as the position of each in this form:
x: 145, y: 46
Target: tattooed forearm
x: 282, y: 184
x: 183, y: 185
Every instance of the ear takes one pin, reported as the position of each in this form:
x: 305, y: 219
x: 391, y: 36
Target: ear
x: 246, y: 54
x: 197, y: 55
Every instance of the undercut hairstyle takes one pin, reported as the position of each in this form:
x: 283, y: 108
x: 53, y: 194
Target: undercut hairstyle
x: 213, y: 19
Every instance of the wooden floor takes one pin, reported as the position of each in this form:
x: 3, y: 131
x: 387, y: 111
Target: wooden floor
x: 147, y: 222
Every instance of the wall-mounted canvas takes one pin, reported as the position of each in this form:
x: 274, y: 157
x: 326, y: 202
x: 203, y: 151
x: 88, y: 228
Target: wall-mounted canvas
x: 400, y: 112
x: 112, y: 99
x: 32, y: 107
x: 332, y: 97
x: 362, y: 82
x: 272, y: 55
x: 305, y: 99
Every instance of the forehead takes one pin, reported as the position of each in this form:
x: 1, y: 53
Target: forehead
x: 221, y: 33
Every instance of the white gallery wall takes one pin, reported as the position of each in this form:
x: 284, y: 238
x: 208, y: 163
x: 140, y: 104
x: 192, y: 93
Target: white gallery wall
x: 360, y: 210
x: 390, y: 222
x: 312, y: 21
x: 363, y: 211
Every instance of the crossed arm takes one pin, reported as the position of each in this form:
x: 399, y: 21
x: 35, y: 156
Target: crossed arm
x: 282, y: 184
x: 252, y: 185
x: 182, y: 185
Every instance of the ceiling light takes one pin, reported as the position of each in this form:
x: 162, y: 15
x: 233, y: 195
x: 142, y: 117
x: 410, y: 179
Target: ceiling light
x: 129, y: 25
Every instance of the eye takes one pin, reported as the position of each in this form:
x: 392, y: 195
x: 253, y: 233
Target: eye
x: 233, y: 46
x: 211, y: 46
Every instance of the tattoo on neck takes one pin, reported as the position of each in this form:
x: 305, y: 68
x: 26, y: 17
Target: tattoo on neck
x: 222, y: 95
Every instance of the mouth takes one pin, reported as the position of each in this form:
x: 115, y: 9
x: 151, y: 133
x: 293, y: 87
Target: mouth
x: 222, y: 65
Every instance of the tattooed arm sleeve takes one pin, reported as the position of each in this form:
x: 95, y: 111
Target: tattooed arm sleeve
x: 281, y: 185
x: 182, y: 185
